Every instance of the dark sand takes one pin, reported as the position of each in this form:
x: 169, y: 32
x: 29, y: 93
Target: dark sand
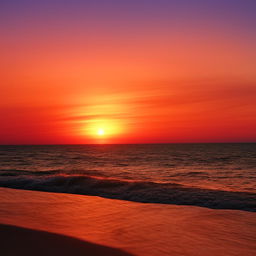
x: 136, y: 228
x: 23, y: 241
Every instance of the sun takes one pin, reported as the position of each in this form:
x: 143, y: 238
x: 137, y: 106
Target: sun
x: 100, y: 132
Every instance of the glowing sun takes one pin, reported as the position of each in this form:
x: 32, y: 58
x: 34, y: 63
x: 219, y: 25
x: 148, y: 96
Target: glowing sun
x: 101, y: 132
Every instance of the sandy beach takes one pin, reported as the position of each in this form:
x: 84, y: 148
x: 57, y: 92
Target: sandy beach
x: 22, y: 241
x: 136, y: 228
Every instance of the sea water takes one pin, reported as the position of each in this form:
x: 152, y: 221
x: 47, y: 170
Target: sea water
x: 210, y: 175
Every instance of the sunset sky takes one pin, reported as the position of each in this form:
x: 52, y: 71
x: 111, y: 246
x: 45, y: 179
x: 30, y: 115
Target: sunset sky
x: 119, y: 71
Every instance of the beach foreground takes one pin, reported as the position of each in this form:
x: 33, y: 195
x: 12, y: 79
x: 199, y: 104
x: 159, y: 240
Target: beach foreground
x: 25, y: 242
x: 136, y: 228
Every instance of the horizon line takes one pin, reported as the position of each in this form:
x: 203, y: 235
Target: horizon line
x: 102, y: 144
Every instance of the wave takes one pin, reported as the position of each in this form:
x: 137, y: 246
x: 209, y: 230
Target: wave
x: 138, y: 191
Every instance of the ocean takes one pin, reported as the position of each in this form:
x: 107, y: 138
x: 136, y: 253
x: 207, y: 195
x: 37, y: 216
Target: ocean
x: 219, y: 176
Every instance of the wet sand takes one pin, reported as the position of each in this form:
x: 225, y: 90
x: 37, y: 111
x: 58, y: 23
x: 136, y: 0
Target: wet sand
x: 136, y: 228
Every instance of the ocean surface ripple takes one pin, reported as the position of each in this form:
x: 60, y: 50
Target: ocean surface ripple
x: 220, y: 176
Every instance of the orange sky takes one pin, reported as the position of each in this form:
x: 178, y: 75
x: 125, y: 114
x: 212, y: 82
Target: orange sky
x: 140, y: 79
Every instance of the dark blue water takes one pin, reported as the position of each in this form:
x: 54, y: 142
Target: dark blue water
x: 210, y: 175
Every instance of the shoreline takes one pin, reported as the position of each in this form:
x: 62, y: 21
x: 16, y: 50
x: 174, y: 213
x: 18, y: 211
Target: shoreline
x: 134, y: 191
x: 137, y: 228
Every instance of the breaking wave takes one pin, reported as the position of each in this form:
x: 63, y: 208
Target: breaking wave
x: 138, y: 191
